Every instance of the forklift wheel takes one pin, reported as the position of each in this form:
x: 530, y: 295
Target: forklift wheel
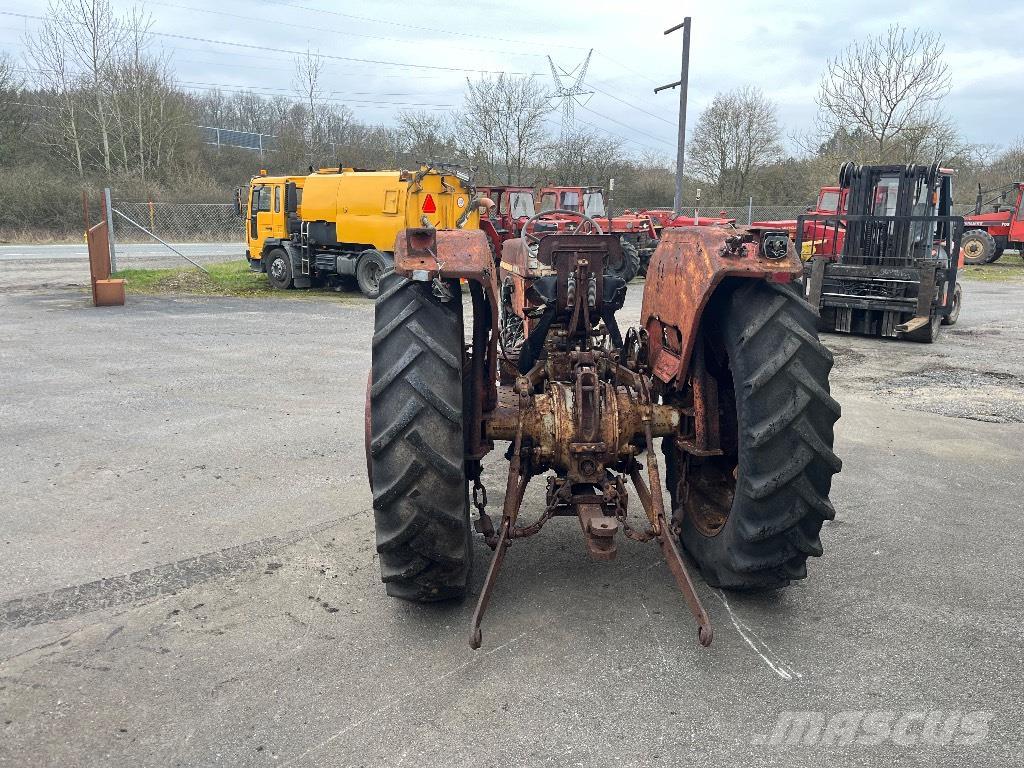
x: 927, y: 333
x: 954, y: 313
x: 279, y: 269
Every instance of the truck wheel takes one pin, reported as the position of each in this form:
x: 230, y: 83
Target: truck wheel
x: 418, y: 477
x: 954, y: 313
x: 372, y: 266
x: 279, y: 269
x: 751, y: 517
x: 630, y: 262
x: 978, y: 247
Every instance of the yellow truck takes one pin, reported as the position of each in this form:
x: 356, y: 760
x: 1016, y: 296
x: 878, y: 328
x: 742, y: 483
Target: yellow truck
x: 340, y: 224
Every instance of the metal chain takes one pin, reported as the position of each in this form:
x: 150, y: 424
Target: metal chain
x: 483, y: 523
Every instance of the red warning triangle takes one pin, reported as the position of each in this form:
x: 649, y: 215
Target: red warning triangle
x: 428, y: 205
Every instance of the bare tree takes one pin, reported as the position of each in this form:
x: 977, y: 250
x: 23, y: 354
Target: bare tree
x: 501, y: 126
x: 425, y: 136
x: 93, y: 34
x: 308, y: 69
x: 887, y: 86
x: 13, y: 114
x: 54, y: 75
x: 583, y: 157
x: 737, y: 134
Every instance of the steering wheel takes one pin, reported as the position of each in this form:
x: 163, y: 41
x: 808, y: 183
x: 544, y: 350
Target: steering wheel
x: 585, y: 226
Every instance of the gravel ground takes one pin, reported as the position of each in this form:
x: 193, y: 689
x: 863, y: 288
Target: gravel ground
x: 188, y: 575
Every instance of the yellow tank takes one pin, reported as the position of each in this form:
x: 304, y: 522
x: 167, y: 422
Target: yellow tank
x: 371, y: 207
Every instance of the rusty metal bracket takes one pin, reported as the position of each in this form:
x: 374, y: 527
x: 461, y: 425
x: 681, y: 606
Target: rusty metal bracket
x: 515, y: 488
x: 656, y: 513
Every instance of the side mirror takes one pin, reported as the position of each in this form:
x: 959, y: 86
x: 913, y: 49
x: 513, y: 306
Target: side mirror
x: 291, y: 197
x: 238, y: 202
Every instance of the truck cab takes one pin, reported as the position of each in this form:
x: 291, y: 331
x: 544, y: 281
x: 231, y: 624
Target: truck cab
x: 270, y: 207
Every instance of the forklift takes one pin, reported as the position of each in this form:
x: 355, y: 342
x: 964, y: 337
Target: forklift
x: 890, y: 262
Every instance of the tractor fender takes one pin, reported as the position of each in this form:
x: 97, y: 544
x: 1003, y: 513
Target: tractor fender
x: 687, y: 267
x: 426, y: 253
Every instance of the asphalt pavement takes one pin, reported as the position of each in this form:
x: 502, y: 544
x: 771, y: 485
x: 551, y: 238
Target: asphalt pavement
x: 188, y: 573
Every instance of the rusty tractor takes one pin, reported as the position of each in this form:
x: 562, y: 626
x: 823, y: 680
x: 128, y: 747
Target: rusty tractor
x: 725, y: 370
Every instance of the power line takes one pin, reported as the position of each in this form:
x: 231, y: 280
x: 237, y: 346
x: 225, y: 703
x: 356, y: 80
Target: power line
x: 613, y: 134
x: 420, y: 28
x: 628, y: 127
x: 631, y: 105
x: 567, y: 102
x: 378, y: 62
x: 332, y: 57
x: 628, y: 69
x: 328, y: 29
x: 243, y: 89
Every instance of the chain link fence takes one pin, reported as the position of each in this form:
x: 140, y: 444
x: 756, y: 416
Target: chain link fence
x: 746, y: 214
x: 200, y: 233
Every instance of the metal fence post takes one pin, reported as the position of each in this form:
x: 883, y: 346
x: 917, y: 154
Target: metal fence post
x: 109, y: 212
x: 750, y: 211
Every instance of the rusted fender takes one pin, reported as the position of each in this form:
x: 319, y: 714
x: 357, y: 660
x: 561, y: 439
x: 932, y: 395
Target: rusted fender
x: 686, y: 268
x: 454, y: 253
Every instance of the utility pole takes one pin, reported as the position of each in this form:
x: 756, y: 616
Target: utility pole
x: 677, y: 203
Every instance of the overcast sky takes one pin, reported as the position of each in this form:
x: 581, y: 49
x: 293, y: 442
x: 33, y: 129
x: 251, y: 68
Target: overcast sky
x: 780, y: 47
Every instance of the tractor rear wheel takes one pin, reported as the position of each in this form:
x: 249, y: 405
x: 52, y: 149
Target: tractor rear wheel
x: 751, y: 517
x: 415, y: 446
x: 630, y: 262
x: 978, y: 247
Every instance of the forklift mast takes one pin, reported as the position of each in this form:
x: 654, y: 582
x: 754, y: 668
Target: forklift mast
x: 891, y: 265
x: 897, y: 213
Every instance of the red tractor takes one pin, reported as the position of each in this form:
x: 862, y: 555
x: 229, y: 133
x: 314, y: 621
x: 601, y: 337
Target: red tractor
x: 987, y: 235
x: 636, y: 231
x: 725, y: 372
x: 817, y: 239
x: 512, y: 207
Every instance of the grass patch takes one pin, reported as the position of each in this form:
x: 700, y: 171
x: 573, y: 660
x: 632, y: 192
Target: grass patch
x: 1010, y: 268
x: 226, y: 278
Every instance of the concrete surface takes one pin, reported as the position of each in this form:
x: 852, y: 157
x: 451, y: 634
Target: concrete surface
x: 188, y: 576
x: 35, y: 267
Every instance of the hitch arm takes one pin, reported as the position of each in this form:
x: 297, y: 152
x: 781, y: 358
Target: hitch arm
x: 654, y: 506
x: 515, y: 488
